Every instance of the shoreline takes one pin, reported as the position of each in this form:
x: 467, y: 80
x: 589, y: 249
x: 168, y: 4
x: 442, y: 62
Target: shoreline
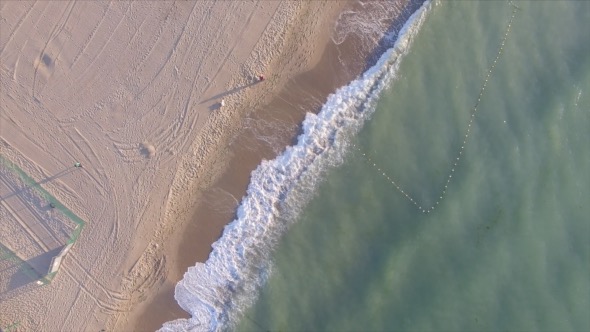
x: 305, y: 92
x: 195, y: 237
x: 133, y: 93
x: 129, y: 91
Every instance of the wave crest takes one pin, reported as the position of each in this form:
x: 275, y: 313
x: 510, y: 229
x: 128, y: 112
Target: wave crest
x: 216, y: 292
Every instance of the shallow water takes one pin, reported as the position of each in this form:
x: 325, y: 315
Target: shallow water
x: 506, y: 248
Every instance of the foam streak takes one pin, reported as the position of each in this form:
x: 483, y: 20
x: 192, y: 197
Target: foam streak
x: 216, y: 293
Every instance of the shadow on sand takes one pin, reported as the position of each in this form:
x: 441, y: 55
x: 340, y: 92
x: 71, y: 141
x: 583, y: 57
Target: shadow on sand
x: 21, y: 277
x: 48, y: 179
x: 229, y: 92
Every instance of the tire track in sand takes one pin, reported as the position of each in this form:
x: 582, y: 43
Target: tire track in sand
x: 104, y: 45
x: 171, y: 130
x: 238, y: 39
x: 172, y: 49
x: 92, y: 34
x: 18, y: 25
x: 178, y: 126
x: 57, y: 29
x: 166, y: 132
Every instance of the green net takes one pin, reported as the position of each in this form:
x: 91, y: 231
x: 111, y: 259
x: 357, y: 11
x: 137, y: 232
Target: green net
x: 13, y: 258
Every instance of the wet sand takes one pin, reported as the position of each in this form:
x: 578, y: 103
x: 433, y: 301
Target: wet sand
x: 265, y: 132
x: 131, y: 91
x: 209, y: 210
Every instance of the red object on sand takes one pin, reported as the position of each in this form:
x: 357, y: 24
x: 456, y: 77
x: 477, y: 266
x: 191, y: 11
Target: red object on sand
x: 261, y: 78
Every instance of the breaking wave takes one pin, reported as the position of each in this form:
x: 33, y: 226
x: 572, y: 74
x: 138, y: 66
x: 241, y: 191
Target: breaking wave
x: 216, y: 292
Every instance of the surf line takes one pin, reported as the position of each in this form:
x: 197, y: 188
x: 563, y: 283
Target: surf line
x: 474, y: 110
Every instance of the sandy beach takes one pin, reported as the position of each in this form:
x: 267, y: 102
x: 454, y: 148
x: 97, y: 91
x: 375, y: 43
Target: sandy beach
x: 206, y: 165
x: 133, y: 91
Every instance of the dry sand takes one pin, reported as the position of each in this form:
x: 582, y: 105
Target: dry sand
x: 132, y: 91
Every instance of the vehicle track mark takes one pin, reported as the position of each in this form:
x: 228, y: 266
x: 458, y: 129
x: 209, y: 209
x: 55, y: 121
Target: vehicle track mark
x: 92, y: 34
x: 18, y: 25
x: 104, y: 45
x: 57, y: 28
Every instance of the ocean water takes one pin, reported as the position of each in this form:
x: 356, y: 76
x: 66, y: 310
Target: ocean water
x: 445, y: 189
x: 507, y: 246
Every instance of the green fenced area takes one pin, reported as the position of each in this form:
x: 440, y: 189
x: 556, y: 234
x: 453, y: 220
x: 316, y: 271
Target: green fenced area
x: 36, y: 230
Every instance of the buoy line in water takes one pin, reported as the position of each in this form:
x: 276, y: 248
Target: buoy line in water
x: 467, y: 133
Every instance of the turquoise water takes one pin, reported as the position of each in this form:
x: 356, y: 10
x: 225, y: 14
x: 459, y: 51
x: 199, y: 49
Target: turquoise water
x: 506, y: 248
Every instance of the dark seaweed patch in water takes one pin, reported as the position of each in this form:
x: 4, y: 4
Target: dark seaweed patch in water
x: 489, y: 225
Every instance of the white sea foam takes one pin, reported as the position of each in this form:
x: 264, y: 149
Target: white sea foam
x: 369, y: 22
x: 215, y: 293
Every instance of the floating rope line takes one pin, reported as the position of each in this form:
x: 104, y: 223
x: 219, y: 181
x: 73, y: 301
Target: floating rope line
x: 468, y: 132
